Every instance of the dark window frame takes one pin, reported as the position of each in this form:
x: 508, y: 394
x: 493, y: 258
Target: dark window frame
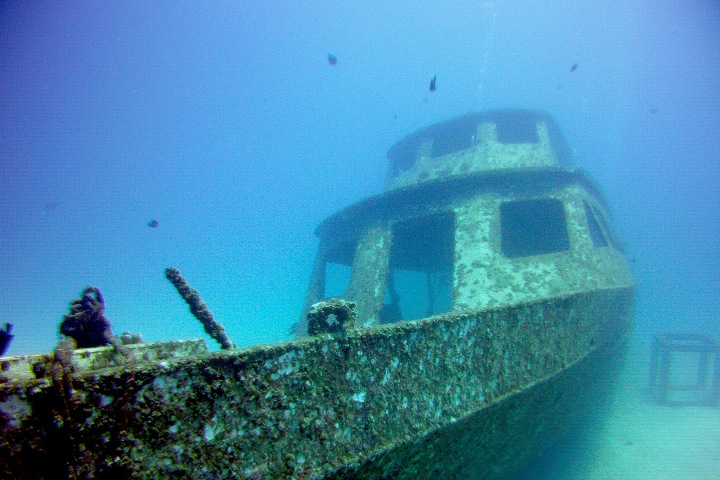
x: 420, y: 246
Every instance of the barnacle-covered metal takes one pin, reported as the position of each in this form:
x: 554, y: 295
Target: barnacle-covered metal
x: 333, y: 316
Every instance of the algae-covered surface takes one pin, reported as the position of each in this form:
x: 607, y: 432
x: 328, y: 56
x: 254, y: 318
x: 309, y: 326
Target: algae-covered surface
x: 319, y: 407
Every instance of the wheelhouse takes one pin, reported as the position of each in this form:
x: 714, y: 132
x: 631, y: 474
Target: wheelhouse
x: 479, y: 211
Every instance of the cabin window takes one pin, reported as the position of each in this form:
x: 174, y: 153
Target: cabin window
x: 419, y: 282
x: 616, y: 244
x: 533, y: 227
x: 450, y: 140
x: 596, y: 233
x: 338, y: 266
x: 337, y: 279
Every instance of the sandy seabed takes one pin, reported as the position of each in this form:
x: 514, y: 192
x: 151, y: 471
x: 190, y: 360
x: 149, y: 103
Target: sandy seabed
x: 634, y: 438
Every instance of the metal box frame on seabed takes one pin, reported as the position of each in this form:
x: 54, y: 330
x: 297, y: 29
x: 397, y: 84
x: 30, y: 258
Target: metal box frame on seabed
x: 529, y: 336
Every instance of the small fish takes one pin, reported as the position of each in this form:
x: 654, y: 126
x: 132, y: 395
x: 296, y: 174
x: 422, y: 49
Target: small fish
x: 153, y: 223
x: 332, y: 59
x: 432, y: 84
x: 574, y: 67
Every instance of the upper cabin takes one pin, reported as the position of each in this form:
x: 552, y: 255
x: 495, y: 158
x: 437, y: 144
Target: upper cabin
x: 477, y: 142
x: 479, y: 211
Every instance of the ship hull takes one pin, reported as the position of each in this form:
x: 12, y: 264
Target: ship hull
x: 498, y: 441
x: 461, y: 395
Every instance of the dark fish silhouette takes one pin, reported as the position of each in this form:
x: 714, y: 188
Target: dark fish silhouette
x: 153, y: 223
x: 332, y: 59
x: 432, y: 84
x: 574, y: 67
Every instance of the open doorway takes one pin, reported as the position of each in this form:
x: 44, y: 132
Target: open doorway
x: 420, y: 276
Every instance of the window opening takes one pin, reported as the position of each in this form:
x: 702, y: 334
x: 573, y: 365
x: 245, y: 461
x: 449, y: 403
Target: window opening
x: 451, y: 140
x: 596, y: 234
x: 419, y: 281
x: 533, y: 227
x: 617, y: 244
x: 337, y: 279
x: 338, y: 267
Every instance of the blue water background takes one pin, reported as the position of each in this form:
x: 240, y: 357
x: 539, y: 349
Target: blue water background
x: 225, y: 122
